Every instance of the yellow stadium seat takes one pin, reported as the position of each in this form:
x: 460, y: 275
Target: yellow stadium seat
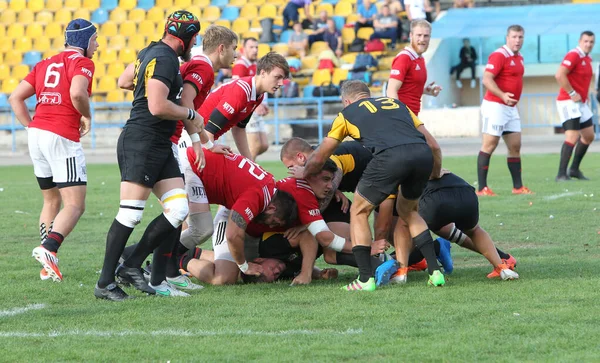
x: 268, y: 11
x: 106, y: 84
x: 203, y: 26
x: 41, y: 44
x: 237, y: 3
x: 102, y: 41
x: 348, y: 35
x: 116, y: 42
x: 115, y: 69
x: 156, y: 14
x: 53, y: 30
x: 19, y: 71
x: 127, y: 55
x: 91, y: 5
x: 4, y: 71
x: 136, y: 15
x: 136, y: 42
x: 25, y: 16
x: 348, y: 58
x: 257, y: 2
x: 99, y: 70
x: 2, y: 31
x: 81, y: 13
x: 49, y: 53
x: 211, y: 13
x: 17, y: 5
x: 202, y: 3
x: 196, y: 10
x: 54, y: 5
x: 365, y: 33
x: 324, y: 7
x: 352, y: 18
x: 108, y: 56
x: 339, y: 75
x: 263, y: 49
x: 72, y: 4
x: 127, y: 4
x: 115, y: 96
x: 251, y: 34
x: 109, y: 29
x: 248, y: 11
x: 13, y: 57
x: 164, y: 4
x: 118, y: 15
x: 8, y: 16
x: 3, y: 5
x: 240, y: 25
x: 9, y: 85
x: 147, y: 28
x: 58, y: 43
x: 6, y: 46
x: 183, y: 4
x: 127, y: 28
x: 381, y: 76
x: 281, y: 48
x: 44, y: 17
x: 63, y: 16
x: 35, y: 5
x: 309, y: 62
x: 317, y: 47
x: 15, y: 31
x: 386, y: 63
x: 128, y: 96
x: 321, y: 77
x: 343, y: 8
x: 23, y: 44
x: 34, y: 30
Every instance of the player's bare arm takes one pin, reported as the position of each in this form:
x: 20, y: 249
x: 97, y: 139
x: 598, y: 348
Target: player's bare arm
x: 235, y: 233
x: 490, y: 84
x: 563, y: 82
x: 17, y: 101
x: 161, y: 107
x: 308, y: 247
x: 241, y: 141
x: 125, y: 80
x: 315, y: 162
x: 393, y: 87
x: 435, y: 149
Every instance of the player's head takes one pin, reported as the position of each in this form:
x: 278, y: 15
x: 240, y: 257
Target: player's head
x: 385, y: 10
x: 250, y: 49
x: 321, y: 183
x: 297, y: 27
x: 81, y: 34
x: 222, y: 42
x: 295, y: 152
x: 184, y: 27
x: 323, y: 15
x: 272, y: 269
x: 281, y: 211
x: 420, y: 35
x: 514, y: 37
x: 271, y: 71
x: 586, y: 41
x: 354, y: 90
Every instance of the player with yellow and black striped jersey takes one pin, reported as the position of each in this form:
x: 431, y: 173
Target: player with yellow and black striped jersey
x: 405, y: 156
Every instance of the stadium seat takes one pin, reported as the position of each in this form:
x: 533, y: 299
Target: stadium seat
x: 257, y: 3
x: 136, y: 15
x: 99, y: 16
x: 203, y: 26
x: 127, y: 4
x: 25, y: 16
x: 17, y: 5
x: 223, y: 22
x: 91, y: 5
x: 72, y: 4
x: 106, y: 84
x: 23, y: 44
x: 317, y: 47
x: 339, y: 75
x: 268, y: 11
x: 118, y: 15
x: 9, y: 85
x: 128, y: 96
x: 343, y: 8
x: 263, y: 49
x: 147, y: 28
x: 115, y: 69
x: 202, y: 3
x: 365, y: 33
x: 3, y: 5
x: 251, y: 34
x: 108, y: 4
x: 49, y: 53
x: 44, y: 17
x: 63, y: 16
x: 380, y: 76
x: 249, y: 11
x: 35, y: 5
x: 15, y: 30
x: 4, y: 71
x: 53, y: 30
x: 285, y: 36
x: 183, y: 4
x: 34, y: 30
x: 58, y: 43
x: 352, y: 18
x: 4, y: 101
x: 128, y: 55
x: 156, y: 14
x: 385, y: 63
x: 307, y: 91
x: 240, y: 25
x: 117, y: 41
x: 211, y: 13
x: 115, y: 96
x: 348, y: 35
x: 127, y: 28
x: 31, y: 102
x: 136, y: 42
x: 81, y: 13
x: 54, y: 5
x: 109, y: 29
x: 2, y: 31
x: 108, y: 56
x: 41, y: 44
x: 195, y: 10
x: 219, y: 3
x: 8, y: 16
x: 340, y: 21
x: 321, y: 77
x: 99, y: 70
x: 237, y: 3
x: 145, y: 4
x: 164, y: 4
x: 230, y: 13
x: 281, y: 48
x: 309, y: 62
x: 20, y: 71
x: 324, y: 7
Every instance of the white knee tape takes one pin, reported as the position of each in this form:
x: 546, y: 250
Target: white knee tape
x: 130, y: 212
x: 200, y: 228
x: 175, y: 205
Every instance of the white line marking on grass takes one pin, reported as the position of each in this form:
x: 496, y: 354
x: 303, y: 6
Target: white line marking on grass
x: 164, y: 333
x: 561, y: 195
x: 17, y: 311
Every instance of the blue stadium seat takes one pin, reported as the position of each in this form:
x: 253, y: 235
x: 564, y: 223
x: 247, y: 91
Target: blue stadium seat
x: 109, y: 4
x: 99, y: 16
x: 307, y: 92
x: 340, y: 21
x: 145, y: 4
x: 285, y: 36
x: 31, y: 101
x: 329, y: 2
x: 219, y: 3
x: 230, y: 13
x: 32, y: 58
x: 3, y: 101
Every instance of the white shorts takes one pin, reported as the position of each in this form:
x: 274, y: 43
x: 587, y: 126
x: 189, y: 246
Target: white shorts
x: 569, y: 110
x: 175, y: 150
x: 193, y: 185
x: 56, y: 157
x: 498, y: 118
x: 256, y: 124
x: 220, y: 244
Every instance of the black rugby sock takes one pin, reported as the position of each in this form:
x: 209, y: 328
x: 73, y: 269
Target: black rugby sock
x: 172, y: 268
x: 483, y: 165
x: 346, y: 259
x: 128, y: 251
x: 363, y: 259
x: 565, y: 156
x: 503, y: 255
x: 158, y: 231
x: 53, y: 241
x: 116, y: 239
x: 424, y: 243
x: 580, y: 151
x: 514, y: 166
x: 162, y: 258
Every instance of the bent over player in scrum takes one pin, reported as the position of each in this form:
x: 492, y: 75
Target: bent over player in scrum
x: 62, y: 85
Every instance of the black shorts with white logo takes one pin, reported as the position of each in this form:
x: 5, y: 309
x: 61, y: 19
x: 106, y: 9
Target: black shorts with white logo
x: 145, y: 159
x: 408, y: 166
x: 450, y: 205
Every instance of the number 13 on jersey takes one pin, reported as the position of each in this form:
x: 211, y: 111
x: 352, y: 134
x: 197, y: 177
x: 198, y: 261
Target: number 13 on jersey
x: 384, y: 103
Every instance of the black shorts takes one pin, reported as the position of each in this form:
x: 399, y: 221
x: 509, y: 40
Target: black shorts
x: 334, y: 213
x: 408, y: 166
x: 450, y: 205
x: 574, y: 124
x: 145, y: 159
x: 277, y: 246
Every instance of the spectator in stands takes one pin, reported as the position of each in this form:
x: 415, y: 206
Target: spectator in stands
x: 319, y: 28
x: 458, y: 4
x: 333, y: 37
x: 290, y: 13
x: 468, y: 56
x: 223, y: 76
x: 386, y: 26
x: 395, y: 6
x: 367, y: 13
x: 298, y: 43
x: 417, y: 9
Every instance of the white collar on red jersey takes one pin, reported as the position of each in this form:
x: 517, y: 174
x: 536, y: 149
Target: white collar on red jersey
x: 253, y: 96
x: 581, y: 52
x: 412, y: 52
x: 205, y: 58
x: 510, y: 52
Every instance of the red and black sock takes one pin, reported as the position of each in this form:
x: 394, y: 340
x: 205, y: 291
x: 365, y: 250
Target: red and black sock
x: 188, y: 256
x: 514, y: 166
x: 483, y: 164
x: 580, y: 151
x: 565, y: 156
x: 503, y: 255
x: 53, y: 241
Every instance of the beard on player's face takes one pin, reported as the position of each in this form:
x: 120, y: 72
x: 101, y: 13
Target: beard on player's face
x: 187, y: 55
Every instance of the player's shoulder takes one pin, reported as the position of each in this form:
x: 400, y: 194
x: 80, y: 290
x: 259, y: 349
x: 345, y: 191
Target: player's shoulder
x: 242, y: 87
x: 405, y: 56
x: 500, y: 53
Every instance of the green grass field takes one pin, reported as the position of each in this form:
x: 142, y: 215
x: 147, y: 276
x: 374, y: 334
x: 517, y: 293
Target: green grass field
x: 550, y: 314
